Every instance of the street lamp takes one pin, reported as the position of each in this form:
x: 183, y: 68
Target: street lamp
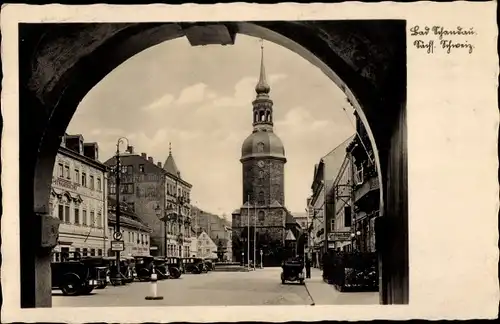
x: 117, y: 234
x: 180, y: 204
x: 353, y: 237
x: 158, y: 214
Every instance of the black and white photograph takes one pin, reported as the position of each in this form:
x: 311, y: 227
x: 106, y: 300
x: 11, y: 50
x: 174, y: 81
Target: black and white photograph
x: 216, y: 162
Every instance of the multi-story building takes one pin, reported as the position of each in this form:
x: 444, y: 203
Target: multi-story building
x: 78, y: 198
x: 178, y: 210
x: 321, y: 203
x: 366, y: 189
x: 206, y: 247
x: 159, y: 196
x: 218, y: 229
x: 135, y: 234
x: 340, y: 224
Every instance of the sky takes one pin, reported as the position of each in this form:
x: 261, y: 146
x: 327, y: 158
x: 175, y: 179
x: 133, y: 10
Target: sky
x: 199, y: 99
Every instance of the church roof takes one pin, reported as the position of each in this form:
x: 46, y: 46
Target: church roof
x: 262, y: 144
x: 290, y: 236
x: 170, y: 165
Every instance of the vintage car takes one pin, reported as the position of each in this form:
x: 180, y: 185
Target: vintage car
x: 78, y: 276
x: 209, y: 264
x: 293, y: 270
x: 126, y: 271
x: 175, y: 267
x: 194, y: 265
x: 144, y: 266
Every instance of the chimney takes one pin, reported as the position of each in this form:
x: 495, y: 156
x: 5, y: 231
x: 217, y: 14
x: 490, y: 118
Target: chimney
x: 158, y: 164
x: 130, y: 149
x: 144, y: 155
x: 91, y: 150
x: 150, y: 159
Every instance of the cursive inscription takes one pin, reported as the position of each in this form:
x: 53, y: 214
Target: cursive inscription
x: 447, y: 40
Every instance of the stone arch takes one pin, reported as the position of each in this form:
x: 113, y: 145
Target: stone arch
x: 368, y: 67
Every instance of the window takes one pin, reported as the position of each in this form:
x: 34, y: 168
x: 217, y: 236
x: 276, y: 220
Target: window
x: 141, y: 168
x: 92, y: 218
x: 51, y: 209
x: 129, y: 237
x: 92, y: 182
x: 130, y: 169
x: 124, y: 169
x: 261, y: 216
x: 99, y: 188
x: 66, y: 171
x: 99, y: 252
x: 66, y: 214
x: 358, y: 175
x: 84, y: 179
x: 60, y: 171
x: 77, y: 215
x: 84, y: 217
x: 127, y: 188
x: 99, y: 219
x: 112, y: 188
x: 261, y: 198
x: 332, y: 225
x: 92, y: 252
x: 61, y: 213
x: 77, y: 175
x: 85, y: 252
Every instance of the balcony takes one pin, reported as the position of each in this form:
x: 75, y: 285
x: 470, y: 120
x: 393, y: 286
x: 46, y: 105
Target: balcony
x: 369, y: 185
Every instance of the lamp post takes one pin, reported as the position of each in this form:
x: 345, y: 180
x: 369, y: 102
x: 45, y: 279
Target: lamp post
x: 354, y: 238
x: 117, y: 235
x: 180, y: 204
x: 158, y: 214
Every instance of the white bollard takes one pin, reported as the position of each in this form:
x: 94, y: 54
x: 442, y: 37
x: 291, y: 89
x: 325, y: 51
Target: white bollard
x: 154, y: 287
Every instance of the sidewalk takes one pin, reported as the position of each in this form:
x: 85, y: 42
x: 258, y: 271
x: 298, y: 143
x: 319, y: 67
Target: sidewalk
x: 324, y: 294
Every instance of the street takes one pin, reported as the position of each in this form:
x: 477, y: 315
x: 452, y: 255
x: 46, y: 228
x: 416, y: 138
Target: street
x: 260, y: 287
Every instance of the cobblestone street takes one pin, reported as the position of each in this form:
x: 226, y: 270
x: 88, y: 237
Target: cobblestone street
x: 260, y: 287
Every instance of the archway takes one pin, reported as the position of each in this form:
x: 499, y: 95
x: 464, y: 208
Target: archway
x: 60, y: 63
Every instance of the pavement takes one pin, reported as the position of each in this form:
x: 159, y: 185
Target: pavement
x: 260, y: 287
x: 325, y: 294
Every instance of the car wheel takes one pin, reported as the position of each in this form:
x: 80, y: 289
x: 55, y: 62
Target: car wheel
x: 175, y: 273
x: 71, y: 286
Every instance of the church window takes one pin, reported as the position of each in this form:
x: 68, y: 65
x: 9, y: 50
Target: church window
x: 261, y: 174
x: 262, y: 116
x: 260, y: 147
x: 261, y: 198
x: 261, y: 215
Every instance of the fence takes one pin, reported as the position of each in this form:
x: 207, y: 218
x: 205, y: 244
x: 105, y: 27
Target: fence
x: 353, y: 270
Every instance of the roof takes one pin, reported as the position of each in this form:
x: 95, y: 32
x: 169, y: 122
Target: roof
x: 125, y: 220
x: 171, y: 167
x: 263, y: 143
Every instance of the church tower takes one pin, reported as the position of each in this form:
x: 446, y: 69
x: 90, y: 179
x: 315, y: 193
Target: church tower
x: 262, y: 153
x: 262, y: 219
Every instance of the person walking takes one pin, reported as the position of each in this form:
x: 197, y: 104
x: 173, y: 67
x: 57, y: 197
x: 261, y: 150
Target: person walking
x: 308, y: 268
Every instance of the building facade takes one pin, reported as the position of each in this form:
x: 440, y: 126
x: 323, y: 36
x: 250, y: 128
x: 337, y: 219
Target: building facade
x: 159, y: 197
x: 206, y: 247
x: 178, y: 210
x: 218, y: 229
x: 340, y: 224
x: 366, y: 189
x: 263, y: 165
x: 135, y: 234
x: 78, y: 198
x: 321, y: 202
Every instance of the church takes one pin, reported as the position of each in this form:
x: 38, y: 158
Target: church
x: 262, y: 223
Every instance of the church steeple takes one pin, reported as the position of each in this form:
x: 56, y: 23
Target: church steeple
x: 262, y: 86
x: 262, y: 105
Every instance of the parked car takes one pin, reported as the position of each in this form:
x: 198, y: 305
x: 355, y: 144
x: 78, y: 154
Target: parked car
x: 144, y: 266
x: 194, y: 265
x: 175, y: 267
x: 77, y: 276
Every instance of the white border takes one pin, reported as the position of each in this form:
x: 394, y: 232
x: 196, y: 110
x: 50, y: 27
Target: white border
x: 452, y: 135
